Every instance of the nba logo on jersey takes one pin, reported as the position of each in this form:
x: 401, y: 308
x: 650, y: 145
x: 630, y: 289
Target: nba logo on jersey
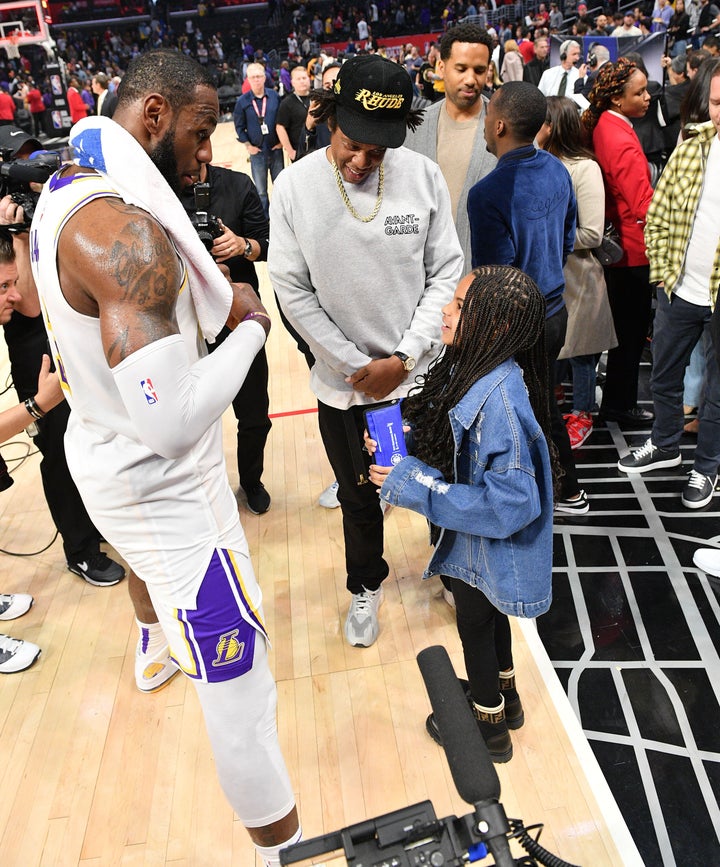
x: 149, y: 390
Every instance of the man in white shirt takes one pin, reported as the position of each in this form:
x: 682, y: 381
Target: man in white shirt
x: 682, y: 236
x: 628, y: 26
x: 105, y: 100
x: 560, y: 80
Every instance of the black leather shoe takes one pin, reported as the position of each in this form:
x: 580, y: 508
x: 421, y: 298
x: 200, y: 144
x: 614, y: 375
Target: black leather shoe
x: 635, y: 417
x: 258, y: 499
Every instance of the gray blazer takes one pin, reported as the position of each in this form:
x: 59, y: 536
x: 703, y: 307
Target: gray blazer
x: 424, y: 141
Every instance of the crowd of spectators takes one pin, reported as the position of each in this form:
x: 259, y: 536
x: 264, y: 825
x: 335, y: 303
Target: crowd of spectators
x: 304, y: 28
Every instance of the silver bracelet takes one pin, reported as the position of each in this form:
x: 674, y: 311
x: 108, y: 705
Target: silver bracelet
x: 32, y: 407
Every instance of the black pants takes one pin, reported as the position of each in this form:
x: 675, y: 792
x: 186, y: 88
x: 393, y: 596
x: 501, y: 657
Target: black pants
x: 486, y: 640
x: 38, y: 118
x: 79, y: 536
x: 715, y: 330
x: 630, y: 296
x: 360, y: 504
x: 555, y: 330
x: 251, y: 405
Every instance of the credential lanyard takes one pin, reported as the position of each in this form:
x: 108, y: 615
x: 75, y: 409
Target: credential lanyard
x: 261, y: 115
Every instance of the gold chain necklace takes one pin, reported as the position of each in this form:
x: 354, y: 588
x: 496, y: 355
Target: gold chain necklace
x: 349, y: 205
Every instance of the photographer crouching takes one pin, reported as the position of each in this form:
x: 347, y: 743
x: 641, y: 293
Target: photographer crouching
x: 27, y: 343
x: 227, y: 213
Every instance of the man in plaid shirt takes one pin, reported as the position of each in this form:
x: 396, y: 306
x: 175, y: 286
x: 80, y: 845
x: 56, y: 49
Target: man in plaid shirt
x: 682, y: 235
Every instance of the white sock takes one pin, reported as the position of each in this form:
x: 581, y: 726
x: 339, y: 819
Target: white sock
x: 152, y: 637
x: 271, y: 854
x: 497, y: 709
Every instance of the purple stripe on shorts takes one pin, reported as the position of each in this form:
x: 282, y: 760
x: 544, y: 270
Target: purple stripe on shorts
x: 220, y: 640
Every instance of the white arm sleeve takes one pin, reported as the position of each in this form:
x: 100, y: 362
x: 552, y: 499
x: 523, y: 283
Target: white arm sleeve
x: 173, y: 403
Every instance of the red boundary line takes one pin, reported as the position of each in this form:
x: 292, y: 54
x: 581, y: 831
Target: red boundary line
x: 292, y: 412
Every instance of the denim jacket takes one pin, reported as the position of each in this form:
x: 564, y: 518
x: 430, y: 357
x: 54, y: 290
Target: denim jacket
x: 496, y: 518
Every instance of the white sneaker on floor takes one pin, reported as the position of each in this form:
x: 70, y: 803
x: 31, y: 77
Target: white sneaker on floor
x: 16, y: 655
x: 708, y: 559
x: 14, y: 605
x: 361, y: 624
x: 447, y: 595
x: 153, y: 670
x: 328, y: 499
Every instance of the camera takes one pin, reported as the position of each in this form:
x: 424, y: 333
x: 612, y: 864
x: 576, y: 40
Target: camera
x: 206, y: 225
x: 16, y: 177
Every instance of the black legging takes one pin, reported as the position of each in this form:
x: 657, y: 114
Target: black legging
x: 555, y: 331
x: 630, y: 296
x: 486, y: 639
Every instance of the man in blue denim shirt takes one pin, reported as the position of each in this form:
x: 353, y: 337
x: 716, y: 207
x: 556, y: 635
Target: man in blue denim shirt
x: 254, y: 117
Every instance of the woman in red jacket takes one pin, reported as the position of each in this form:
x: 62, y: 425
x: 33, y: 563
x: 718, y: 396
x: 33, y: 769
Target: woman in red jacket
x: 620, y: 93
x: 78, y: 109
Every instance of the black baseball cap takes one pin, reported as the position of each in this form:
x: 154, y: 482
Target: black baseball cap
x: 373, y: 97
x: 12, y: 138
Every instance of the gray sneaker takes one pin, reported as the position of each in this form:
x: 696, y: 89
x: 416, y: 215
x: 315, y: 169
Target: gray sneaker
x: 361, y: 625
x: 329, y: 499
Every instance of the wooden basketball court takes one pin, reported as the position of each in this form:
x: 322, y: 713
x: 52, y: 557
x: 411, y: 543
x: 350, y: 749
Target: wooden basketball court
x: 96, y: 773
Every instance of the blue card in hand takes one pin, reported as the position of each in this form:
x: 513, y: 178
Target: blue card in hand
x: 384, y: 425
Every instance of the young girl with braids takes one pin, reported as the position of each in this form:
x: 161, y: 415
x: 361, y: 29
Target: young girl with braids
x: 481, y: 474
x: 618, y: 95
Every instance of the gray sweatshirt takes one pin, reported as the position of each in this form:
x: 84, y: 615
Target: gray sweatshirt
x: 360, y: 291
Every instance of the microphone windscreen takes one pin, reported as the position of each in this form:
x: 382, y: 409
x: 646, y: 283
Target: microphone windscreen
x: 470, y: 764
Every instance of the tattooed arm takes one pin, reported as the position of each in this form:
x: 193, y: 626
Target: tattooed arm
x: 118, y: 265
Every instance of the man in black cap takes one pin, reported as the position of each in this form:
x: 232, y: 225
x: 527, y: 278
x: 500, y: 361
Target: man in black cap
x: 362, y: 269
x: 27, y: 341
x: 15, y: 143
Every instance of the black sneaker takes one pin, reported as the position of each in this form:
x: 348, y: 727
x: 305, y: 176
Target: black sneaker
x: 99, y: 570
x: 635, y: 417
x: 699, y: 490
x: 580, y: 505
x: 258, y: 499
x: 649, y: 457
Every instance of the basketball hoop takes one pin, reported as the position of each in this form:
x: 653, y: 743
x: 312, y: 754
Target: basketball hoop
x: 10, y: 44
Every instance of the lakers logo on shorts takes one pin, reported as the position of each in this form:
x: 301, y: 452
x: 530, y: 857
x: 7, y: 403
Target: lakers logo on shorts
x: 228, y: 649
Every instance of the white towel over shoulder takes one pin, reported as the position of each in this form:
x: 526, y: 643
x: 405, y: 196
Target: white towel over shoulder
x: 105, y: 146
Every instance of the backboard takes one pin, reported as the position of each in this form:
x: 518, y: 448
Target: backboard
x: 22, y: 22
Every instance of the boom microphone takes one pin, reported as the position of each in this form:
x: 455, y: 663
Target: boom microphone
x: 470, y: 764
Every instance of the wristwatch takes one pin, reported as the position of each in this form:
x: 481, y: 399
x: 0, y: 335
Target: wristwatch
x: 408, y: 362
x: 248, y: 249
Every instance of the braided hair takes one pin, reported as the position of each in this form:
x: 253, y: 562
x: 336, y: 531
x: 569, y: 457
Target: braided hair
x: 503, y: 316
x: 610, y: 82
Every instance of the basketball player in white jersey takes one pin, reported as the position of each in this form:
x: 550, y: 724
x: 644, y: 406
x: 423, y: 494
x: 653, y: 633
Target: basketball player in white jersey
x: 144, y: 440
